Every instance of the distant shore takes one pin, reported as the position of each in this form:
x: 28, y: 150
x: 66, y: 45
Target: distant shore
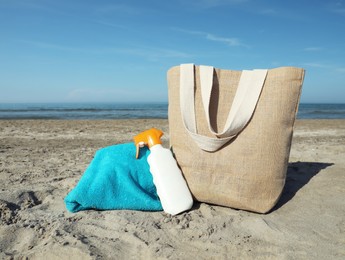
x: 42, y: 160
x: 101, y: 111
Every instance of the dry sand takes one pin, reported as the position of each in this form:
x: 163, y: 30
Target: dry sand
x: 41, y: 161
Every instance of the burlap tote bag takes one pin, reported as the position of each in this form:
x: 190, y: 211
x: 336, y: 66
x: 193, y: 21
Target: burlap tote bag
x: 231, y: 132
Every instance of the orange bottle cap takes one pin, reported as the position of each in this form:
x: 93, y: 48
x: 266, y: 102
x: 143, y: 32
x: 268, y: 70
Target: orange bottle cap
x: 149, y: 137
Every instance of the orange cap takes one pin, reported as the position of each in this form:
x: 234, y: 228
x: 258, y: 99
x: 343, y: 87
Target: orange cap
x: 149, y: 137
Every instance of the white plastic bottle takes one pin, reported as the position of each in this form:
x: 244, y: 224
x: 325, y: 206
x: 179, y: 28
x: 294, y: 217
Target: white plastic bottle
x: 171, y: 187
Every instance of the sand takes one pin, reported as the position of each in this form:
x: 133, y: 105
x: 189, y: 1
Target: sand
x: 41, y: 161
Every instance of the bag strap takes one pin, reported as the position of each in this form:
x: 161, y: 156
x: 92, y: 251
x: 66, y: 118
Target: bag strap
x: 242, y: 108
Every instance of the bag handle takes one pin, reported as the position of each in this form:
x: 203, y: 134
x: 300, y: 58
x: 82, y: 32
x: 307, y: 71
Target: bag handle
x: 242, y: 108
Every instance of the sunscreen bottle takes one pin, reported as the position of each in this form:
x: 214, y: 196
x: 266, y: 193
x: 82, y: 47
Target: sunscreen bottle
x: 171, y: 187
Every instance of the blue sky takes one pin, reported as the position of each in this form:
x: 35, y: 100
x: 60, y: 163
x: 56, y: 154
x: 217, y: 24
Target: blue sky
x: 113, y: 51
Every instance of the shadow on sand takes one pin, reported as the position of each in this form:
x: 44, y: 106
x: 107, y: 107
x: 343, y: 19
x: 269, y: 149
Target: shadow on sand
x: 298, y: 175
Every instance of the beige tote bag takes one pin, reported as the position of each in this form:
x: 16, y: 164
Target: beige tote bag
x: 231, y: 132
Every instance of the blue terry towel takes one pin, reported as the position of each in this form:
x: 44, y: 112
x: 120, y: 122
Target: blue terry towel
x: 115, y: 180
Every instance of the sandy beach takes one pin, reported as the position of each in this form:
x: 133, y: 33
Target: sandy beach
x: 42, y: 160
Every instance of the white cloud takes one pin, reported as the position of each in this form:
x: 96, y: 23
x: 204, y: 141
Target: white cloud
x: 315, y: 65
x: 211, y: 37
x: 54, y: 46
x: 123, y: 94
x: 339, y: 11
x: 211, y: 3
x: 268, y: 11
x: 329, y: 67
x: 109, y: 24
x: 337, y: 7
x: 228, y: 41
x: 312, y: 49
x: 120, y: 8
x: 151, y: 53
x: 61, y: 47
x: 341, y: 70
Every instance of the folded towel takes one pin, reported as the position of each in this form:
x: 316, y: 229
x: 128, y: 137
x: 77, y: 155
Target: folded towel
x: 115, y: 180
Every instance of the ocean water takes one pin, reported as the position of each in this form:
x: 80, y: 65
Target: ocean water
x: 321, y: 111
x: 83, y: 110
x: 133, y: 111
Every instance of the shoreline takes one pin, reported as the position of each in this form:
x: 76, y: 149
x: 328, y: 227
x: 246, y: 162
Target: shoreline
x: 133, y: 110
x: 42, y: 160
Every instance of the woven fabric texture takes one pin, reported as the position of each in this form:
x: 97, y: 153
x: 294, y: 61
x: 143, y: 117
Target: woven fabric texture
x: 249, y: 172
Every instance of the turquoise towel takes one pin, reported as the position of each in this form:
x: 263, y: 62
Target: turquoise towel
x: 115, y: 180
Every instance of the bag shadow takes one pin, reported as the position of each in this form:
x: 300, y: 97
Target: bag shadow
x: 298, y: 175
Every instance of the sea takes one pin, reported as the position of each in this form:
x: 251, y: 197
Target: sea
x: 91, y: 111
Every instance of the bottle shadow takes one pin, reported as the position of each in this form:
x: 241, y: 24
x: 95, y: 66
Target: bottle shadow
x: 298, y: 175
